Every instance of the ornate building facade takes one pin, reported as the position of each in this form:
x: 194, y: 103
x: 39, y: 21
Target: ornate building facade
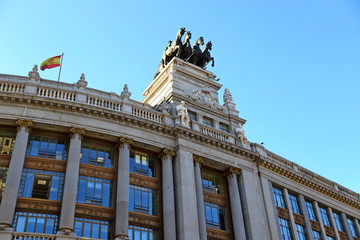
x: 79, y: 163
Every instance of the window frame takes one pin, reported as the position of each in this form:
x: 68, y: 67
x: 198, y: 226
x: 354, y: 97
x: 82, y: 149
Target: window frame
x: 86, y: 195
x: 324, y: 216
x: 310, y: 210
x: 147, y: 195
x: 279, y: 197
x: 215, y: 216
x: 36, y: 216
x: 97, y: 153
x: 207, y: 121
x: 285, y: 230
x: 294, y: 203
x: 88, y: 221
x: 55, y: 146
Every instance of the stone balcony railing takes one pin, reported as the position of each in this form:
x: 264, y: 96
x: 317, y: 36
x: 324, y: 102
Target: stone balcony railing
x: 32, y: 236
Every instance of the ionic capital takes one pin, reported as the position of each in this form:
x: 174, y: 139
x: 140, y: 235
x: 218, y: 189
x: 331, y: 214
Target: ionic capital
x: 125, y: 140
x: 76, y: 130
x: 198, y: 159
x: 167, y: 152
x: 24, y: 123
x: 232, y: 170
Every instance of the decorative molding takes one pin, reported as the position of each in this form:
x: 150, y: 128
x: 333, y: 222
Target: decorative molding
x: 77, y: 130
x: 198, y: 159
x: 96, y: 171
x: 299, y: 219
x: 216, y: 234
x: 145, y: 220
x: 24, y: 123
x: 214, y: 198
x: 125, y: 140
x: 315, y: 226
x: 144, y: 181
x: 38, y: 204
x: 167, y: 152
x: 45, y: 164
x: 94, y: 211
x: 329, y: 231
x: 232, y: 170
x: 343, y: 235
x: 283, y: 213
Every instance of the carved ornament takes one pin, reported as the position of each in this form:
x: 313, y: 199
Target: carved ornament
x: 125, y: 140
x: 204, y: 97
x: 283, y: 213
x: 232, y: 170
x: 76, y: 130
x: 167, y: 152
x: 24, y: 123
x: 198, y: 159
x: 81, y: 84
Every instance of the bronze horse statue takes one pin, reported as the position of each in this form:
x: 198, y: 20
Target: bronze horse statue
x: 206, y: 56
x: 196, y: 51
x: 174, y: 49
x: 186, y: 47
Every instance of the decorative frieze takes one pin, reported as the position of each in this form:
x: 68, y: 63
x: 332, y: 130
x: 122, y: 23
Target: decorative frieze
x: 144, y: 181
x: 94, y: 211
x: 315, y: 226
x: 214, y: 198
x: 299, y: 219
x: 45, y: 164
x: 38, y: 204
x: 329, y: 231
x: 144, y: 220
x: 216, y: 234
x: 98, y: 172
x: 283, y: 213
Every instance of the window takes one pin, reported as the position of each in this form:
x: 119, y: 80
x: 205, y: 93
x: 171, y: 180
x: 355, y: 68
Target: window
x: 97, y: 154
x: 35, y: 222
x: 294, y: 204
x: 300, y: 230
x: 284, y: 229
x: 352, y: 228
x: 41, y: 184
x: 95, y: 191
x: 317, y: 235
x: 7, y: 140
x: 142, y: 163
x: 330, y: 238
x: 279, y: 197
x: 92, y: 228
x: 224, y: 127
x: 212, y: 182
x: 215, y: 216
x: 324, y: 216
x: 141, y: 233
x: 3, y: 174
x: 47, y: 146
x: 310, y: 210
x: 338, y: 221
x: 208, y: 122
x: 192, y: 115
x: 142, y: 200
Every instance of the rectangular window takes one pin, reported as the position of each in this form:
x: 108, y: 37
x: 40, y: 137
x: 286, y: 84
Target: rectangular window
x: 310, y: 210
x: 95, y: 191
x: 279, y: 197
x: 91, y: 228
x: 294, y: 204
x: 141, y: 233
x: 47, y: 146
x: 215, y: 216
x: 208, y: 122
x: 142, y: 200
x: 35, y: 222
x: 143, y: 163
x: 224, y: 127
x: 352, y: 228
x: 338, y: 222
x: 41, y: 184
x: 330, y: 238
x: 212, y: 181
x: 7, y: 140
x: 324, y: 216
x: 300, y: 230
x: 98, y: 154
x: 284, y: 229
x: 192, y: 115
x: 317, y: 235
x: 3, y: 175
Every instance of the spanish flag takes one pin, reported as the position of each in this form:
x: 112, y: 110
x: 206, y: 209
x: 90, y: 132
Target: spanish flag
x: 51, y: 63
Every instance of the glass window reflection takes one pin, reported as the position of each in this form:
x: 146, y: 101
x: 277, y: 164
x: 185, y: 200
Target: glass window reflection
x: 142, y: 200
x: 215, y: 216
x: 98, y: 154
x: 92, y: 228
x: 95, y: 191
x: 47, y: 146
x: 142, y: 163
x: 35, y: 222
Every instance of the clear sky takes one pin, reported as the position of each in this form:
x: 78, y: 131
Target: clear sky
x: 293, y: 67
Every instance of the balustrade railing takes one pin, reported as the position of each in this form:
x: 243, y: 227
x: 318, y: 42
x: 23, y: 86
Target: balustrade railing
x: 58, y: 94
x: 147, y: 114
x: 10, y: 87
x: 214, y: 133
x: 103, y: 103
x: 32, y: 236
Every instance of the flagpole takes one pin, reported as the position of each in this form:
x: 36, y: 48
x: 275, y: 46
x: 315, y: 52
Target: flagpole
x: 62, y: 56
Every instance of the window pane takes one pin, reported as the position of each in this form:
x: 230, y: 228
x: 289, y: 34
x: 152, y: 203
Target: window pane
x: 87, y: 230
x: 30, y: 224
x: 95, y: 230
x: 20, y: 225
x: 50, y: 224
x: 40, y: 224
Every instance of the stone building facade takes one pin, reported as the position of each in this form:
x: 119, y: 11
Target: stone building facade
x: 79, y: 163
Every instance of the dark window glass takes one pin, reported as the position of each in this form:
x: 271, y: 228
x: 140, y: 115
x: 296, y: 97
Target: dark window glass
x: 47, y: 146
x: 294, y: 204
x: 224, y: 127
x: 142, y: 233
x: 95, y: 191
x: 192, y: 116
x: 338, y: 222
x: 284, y: 229
x: 91, y: 228
x: 41, y: 184
x: 310, y: 210
x: 324, y: 216
x: 300, y: 230
x: 3, y: 175
x: 142, y: 200
x: 212, y: 181
x: 279, y: 197
x: 317, y: 235
x: 7, y: 140
x: 35, y: 222
x: 208, y: 122
x: 142, y: 163
x: 352, y: 228
x: 215, y: 216
x: 97, y: 154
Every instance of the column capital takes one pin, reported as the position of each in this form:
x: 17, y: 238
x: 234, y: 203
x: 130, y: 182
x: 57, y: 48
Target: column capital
x: 232, y: 170
x: 167, y: 152
x: 77, y: 130
x: 198, y: 159
x: 24, y: 123
x: 122, y: 237
x: 125, y: 140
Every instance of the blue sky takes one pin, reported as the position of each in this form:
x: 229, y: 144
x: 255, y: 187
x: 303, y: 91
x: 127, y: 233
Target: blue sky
x: 293, y: 67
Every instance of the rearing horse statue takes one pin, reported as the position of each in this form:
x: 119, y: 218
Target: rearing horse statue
x: 206, y: 56
x: 186, y: 47
x: 196, y: 52
x: 174, y: 49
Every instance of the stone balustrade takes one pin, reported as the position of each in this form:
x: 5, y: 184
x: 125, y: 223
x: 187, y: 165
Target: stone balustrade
x: 147, y: 114
x: 9, y: 87
x: 32, y: 236
x: 58, y: 94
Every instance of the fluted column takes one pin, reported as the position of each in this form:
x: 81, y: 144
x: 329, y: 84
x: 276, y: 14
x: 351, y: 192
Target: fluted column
x: 333, y: 223
x: 291, y: 215
x: 169, y: 222
x: 306, y: 217
x: 13, y: 179
x: 200, y: 197
x: 71, y: 182
x: 346, y: 226
x: 318, y: 216
x: 235, y: 204
x: 122, y: 194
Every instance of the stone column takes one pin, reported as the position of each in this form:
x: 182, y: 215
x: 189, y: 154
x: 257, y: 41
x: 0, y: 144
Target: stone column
x: 346, y: 226
x: 291, y: 215
x: 169, y: 223
x: 13, y: 180
x: 66, y: 225
x: 318, y: 216
x: 332, y: 222
x: 252, y: 206
x: 235, y: 204
x: 122, y: 194
x: 200, y: 197
x: 306, y: 217
x: 357, y: 226
x: 185, y: 195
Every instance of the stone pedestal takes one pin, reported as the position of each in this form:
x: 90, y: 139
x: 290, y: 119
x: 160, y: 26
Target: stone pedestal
x: 200, y: 198
x: 8, y: 203
x: 5, y: 235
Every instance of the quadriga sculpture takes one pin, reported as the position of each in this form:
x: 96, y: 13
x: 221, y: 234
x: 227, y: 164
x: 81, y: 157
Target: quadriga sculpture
x: 196, y: 52
x: 206, y: 56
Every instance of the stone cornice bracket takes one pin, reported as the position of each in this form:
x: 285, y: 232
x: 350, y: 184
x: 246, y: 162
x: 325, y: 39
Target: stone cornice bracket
x: 24, y: 123
x: 76, y: 130
x: 167, y: 152
x: 232, y: 170
x: 125, y: 140
x: 198, y: 159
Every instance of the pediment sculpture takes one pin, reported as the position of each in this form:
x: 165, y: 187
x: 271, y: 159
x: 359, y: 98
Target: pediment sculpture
x: 204, y: 97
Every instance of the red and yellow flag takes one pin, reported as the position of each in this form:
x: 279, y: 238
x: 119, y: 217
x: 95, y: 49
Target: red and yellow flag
x: 51, y: 63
